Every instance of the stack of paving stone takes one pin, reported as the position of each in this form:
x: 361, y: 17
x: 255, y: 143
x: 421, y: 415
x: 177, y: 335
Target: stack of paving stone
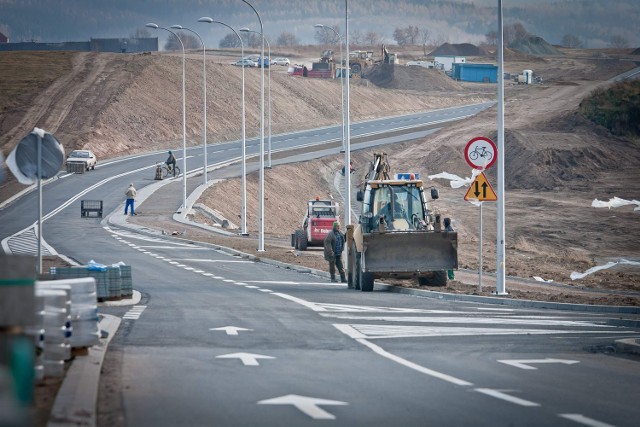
x: 54, y: 341
x: 84, y: 331
x: 112, y: 283
x: 127, y: 281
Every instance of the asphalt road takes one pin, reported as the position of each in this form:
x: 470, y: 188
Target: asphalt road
x: 108, y: 182
x: 220, y: 340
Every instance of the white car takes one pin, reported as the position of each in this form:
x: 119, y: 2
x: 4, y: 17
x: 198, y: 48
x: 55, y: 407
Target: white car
x: 280, y: 61
x: 245, y: 63
x: 85, y: 157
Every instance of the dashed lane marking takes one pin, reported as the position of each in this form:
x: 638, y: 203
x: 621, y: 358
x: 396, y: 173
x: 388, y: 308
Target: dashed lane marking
x: 506, y: 397
x: 135, y: 312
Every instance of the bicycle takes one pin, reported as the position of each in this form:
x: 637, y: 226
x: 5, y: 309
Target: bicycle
x: 167, y: 170
x: 480, y: 152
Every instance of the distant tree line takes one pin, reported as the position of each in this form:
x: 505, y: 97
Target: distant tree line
x: 252, y: 40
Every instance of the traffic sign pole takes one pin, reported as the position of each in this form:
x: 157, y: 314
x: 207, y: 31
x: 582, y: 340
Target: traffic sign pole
x: 480, y: 258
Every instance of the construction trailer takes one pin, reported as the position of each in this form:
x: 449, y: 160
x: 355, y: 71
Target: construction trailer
x: 478, y: 73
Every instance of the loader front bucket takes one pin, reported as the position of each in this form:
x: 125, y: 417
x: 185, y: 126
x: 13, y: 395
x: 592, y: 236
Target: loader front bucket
x: 410, y: 252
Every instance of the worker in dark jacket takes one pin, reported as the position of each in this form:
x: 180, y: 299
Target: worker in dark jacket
x: 171, y: 161
x: 448, y: 227
x: 333, y: 246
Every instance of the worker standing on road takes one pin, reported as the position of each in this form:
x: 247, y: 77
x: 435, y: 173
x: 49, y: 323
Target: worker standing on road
x: 333, y: 246
x: 448, y: 227
x: 131, y: 197
x: 171, y: 160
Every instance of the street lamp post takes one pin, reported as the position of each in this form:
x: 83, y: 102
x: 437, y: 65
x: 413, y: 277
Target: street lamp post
x: 342, y: 149
x: 204, y: 96
x: 184, y: 122
x: 347, y: 148
x: 261, y: 190
x: 246, y: 30
x: 243, y: 226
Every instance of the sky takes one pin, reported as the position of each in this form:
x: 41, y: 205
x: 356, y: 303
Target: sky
x: 455, y: 21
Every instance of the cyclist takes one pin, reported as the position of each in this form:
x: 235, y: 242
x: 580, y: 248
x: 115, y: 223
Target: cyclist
x: 171, y: 162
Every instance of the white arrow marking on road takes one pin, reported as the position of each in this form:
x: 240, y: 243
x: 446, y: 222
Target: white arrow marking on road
x: 230, y: 330
x: 308, y: 405
x: 248, y: 359
x: 579, y: 418
x: 524, y: 364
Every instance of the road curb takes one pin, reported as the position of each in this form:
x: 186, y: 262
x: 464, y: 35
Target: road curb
x: 628, y: 345
x: 76, y: 401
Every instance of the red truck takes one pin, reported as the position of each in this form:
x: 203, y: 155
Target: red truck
x: 316, y: 224
x: 318, y: 71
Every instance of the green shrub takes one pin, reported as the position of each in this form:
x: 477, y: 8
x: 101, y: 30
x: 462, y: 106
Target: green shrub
x: 617, y: 108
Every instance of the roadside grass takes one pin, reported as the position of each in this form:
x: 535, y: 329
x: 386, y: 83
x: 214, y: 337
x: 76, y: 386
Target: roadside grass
x: 24, y: 74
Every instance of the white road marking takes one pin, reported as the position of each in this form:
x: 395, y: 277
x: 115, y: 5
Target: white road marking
x: 374, y: 309
x: 508, y: 398
x: 581, y: 419
x: 307, y: 405
x: 312, y: 306
x: 475, y: 320
x: 404, y: 362
x: 252, y: 287
x: 134, y: 312
x: 277, y: 282
x: 266, y: 290
x: 223, y: 261
x: 525, y: 364
x: 228, y: 280
x: 176, y: 246
x: 248, y: 359
x: 405, y: 331
x: 230, y: 330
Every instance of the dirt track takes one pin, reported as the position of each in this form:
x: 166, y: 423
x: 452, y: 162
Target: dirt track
x: 556, y: 161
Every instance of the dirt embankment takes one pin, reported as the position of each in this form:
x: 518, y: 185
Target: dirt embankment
x: 118, y: 104
x: 556, y: 162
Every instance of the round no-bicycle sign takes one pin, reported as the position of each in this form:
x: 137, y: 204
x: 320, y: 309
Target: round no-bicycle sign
x: 481, y: 153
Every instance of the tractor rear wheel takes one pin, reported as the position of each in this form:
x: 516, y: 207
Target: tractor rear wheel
x: 356, y: 68
x: 302, y: 240
x: 365, y: 280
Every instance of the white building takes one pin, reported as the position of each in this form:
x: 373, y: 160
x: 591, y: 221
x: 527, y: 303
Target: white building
x: 445, y: 62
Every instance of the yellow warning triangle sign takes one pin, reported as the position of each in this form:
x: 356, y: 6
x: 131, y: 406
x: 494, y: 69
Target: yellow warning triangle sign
x: 481, y: 190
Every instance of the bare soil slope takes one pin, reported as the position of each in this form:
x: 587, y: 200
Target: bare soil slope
x: 556, y: 162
